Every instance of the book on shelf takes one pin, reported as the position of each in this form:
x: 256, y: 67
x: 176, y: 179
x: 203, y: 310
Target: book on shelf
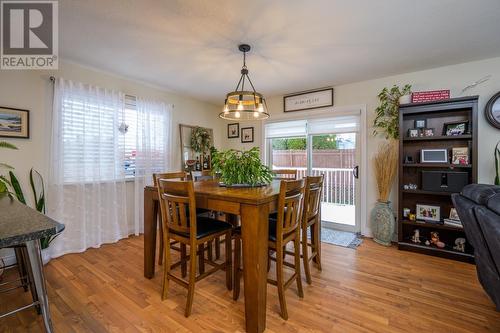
x: 453, y: 223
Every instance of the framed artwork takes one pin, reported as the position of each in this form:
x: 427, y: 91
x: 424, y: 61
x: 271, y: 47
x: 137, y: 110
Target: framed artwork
x: 428, y: 213
x: 413, y: 133
x: 315, y: 99
x: 455, y: 128
x: 460, y: 155
x: 233, y: 131
x: 420, y: 123
x: 428, y: 132
x: 14, y: 123
x: 247, y: 134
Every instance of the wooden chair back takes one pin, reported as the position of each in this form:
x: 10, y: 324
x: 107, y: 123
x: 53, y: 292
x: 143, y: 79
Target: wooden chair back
x: 288, y: 174
x: 290, y: 203
x: 178, y: 205
x: 312, y: 197
x: 169, y: 175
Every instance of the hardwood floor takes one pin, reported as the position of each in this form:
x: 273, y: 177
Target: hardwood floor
x: 371, y: 289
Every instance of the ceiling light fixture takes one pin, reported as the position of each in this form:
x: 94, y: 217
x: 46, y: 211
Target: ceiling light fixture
x: 241, y: 104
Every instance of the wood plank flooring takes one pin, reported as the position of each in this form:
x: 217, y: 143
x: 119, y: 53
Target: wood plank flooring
x: 371, y: 289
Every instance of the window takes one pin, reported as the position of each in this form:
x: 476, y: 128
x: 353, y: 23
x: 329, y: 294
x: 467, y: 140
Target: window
x: 95, y: 145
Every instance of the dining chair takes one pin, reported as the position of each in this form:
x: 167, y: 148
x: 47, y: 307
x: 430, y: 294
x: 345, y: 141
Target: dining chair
x: 167, y: 175
x: 311, y: 219
x: 282, y: 231
x: 285, y: 174
x: 182, y: 224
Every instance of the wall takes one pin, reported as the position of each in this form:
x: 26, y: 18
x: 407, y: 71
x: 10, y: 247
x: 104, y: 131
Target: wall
x: 32, y: 90
x: 454, y: 77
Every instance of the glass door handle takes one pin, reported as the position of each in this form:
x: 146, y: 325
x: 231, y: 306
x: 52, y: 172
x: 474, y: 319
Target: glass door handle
x: 355, y: 171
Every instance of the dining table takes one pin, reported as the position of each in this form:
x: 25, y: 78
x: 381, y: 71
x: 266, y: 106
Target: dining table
x: 253, y: 205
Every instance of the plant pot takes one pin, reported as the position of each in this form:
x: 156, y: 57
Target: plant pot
x: 405, y: 99
x: 382, y: 223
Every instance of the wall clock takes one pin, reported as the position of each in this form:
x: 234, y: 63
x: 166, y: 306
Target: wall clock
x: 492, y: 110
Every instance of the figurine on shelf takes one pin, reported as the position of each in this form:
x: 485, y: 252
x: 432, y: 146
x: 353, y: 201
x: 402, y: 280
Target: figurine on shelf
x: 427, y: 243
x: 416, y: 236
x: 459, y: 244
x: 412, y: 217
x: 434, y: 237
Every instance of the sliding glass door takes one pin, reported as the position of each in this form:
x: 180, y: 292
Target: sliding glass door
x: 322, y: 146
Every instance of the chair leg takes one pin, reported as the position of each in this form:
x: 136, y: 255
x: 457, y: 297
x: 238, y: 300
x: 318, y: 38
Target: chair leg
x: 280, y: 282
x: 305, y: 256
x: 210, y: 250
x: 201, y: 258
x: 236, y: 266
x: 166, y: 271
x: 217, y: 248
x: 160, y: 253
x: 183, y: 260
x: 229, y: 268
x: 298, y: 278
x: 192, y: 280
x: 317, y: 243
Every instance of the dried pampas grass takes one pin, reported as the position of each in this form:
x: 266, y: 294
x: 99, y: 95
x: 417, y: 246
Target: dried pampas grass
x: 386, y: 164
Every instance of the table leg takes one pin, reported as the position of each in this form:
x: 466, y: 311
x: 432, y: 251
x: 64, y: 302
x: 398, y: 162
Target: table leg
x: 255, y: 233
x: 35, y: 259
x: 149, y: 234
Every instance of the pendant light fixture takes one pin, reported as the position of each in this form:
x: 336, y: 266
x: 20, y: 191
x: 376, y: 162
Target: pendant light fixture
x: 242, y: 104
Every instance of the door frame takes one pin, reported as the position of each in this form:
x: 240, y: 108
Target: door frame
x: 363, y: 165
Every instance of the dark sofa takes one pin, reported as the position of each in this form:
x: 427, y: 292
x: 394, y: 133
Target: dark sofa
x: 479, y: 209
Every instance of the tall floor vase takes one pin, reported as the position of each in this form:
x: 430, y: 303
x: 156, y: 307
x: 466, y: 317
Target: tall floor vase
x: 382, y: 223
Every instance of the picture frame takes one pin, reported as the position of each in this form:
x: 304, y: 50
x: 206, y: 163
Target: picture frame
x: 427, y: 132
x: 313, y: 99
x: 233, y: 131
x: 247, y: 134
x: 456, y: 128
x: 14, y: 123
x: 428, y: 213
x: 413, y: 133
x: 454, y: 214
x: 420, y: 123
x: 460, y: 156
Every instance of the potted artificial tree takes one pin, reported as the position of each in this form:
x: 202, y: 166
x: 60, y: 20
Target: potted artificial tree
x: 385, y: 161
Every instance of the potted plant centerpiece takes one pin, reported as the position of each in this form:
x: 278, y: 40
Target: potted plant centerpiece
x: 240, y: 168
x: 385, y: 161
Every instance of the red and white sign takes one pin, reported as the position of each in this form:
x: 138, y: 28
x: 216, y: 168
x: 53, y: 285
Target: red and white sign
x: 429, y: 96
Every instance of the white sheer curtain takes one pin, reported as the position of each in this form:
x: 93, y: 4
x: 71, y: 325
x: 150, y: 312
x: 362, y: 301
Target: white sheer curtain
x: 87, y: 188
x: 153, y: 138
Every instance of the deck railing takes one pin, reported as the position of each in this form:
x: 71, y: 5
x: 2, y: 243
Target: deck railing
x: 338, y: 184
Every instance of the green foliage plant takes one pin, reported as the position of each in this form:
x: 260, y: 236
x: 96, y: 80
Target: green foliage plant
x: 5, y: 183
x: 387, y: 113
x: 237, y: 167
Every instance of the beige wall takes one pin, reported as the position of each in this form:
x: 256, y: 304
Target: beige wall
x: 453, y: 77
x: 32, y: 90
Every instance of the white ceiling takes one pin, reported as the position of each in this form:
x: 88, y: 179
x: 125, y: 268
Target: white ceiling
x: 190, y: 46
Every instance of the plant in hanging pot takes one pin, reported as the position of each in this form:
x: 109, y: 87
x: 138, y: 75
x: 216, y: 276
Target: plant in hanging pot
x: 240, y: 168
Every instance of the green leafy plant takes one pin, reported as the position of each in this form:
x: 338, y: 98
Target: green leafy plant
x: 14, y: 182
x: 200, y: 139
x: 240, y: 167
x: 497, y: 167
x: 387, y: 113
x: 6, y: 184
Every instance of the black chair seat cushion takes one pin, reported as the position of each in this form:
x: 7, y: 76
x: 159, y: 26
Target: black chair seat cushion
x: 272, y: 230
x: 206, y: 226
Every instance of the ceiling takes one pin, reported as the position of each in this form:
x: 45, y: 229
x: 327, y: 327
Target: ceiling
x: 190, y: 46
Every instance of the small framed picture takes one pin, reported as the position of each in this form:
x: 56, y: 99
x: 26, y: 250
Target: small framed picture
x: 233, y: 131
x: 454, y: 214
x: 420, y: 123
x: 460, y: 156
x: 455, y: 128
x: 427, y: 132
x: 428, y: 213
x: 14, y: 123
x: 413, y: 133
x: 247, y: 134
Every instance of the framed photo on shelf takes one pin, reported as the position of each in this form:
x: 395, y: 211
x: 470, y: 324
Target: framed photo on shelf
x: 247, y: 134
x: 460, y: 156
x: 426, y: 132
x: 456, y: 128
x: 428, y: 213
x: 233, y: 130
x: 420, y: 123
x: 413, y: 133
x: 14, y: 123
